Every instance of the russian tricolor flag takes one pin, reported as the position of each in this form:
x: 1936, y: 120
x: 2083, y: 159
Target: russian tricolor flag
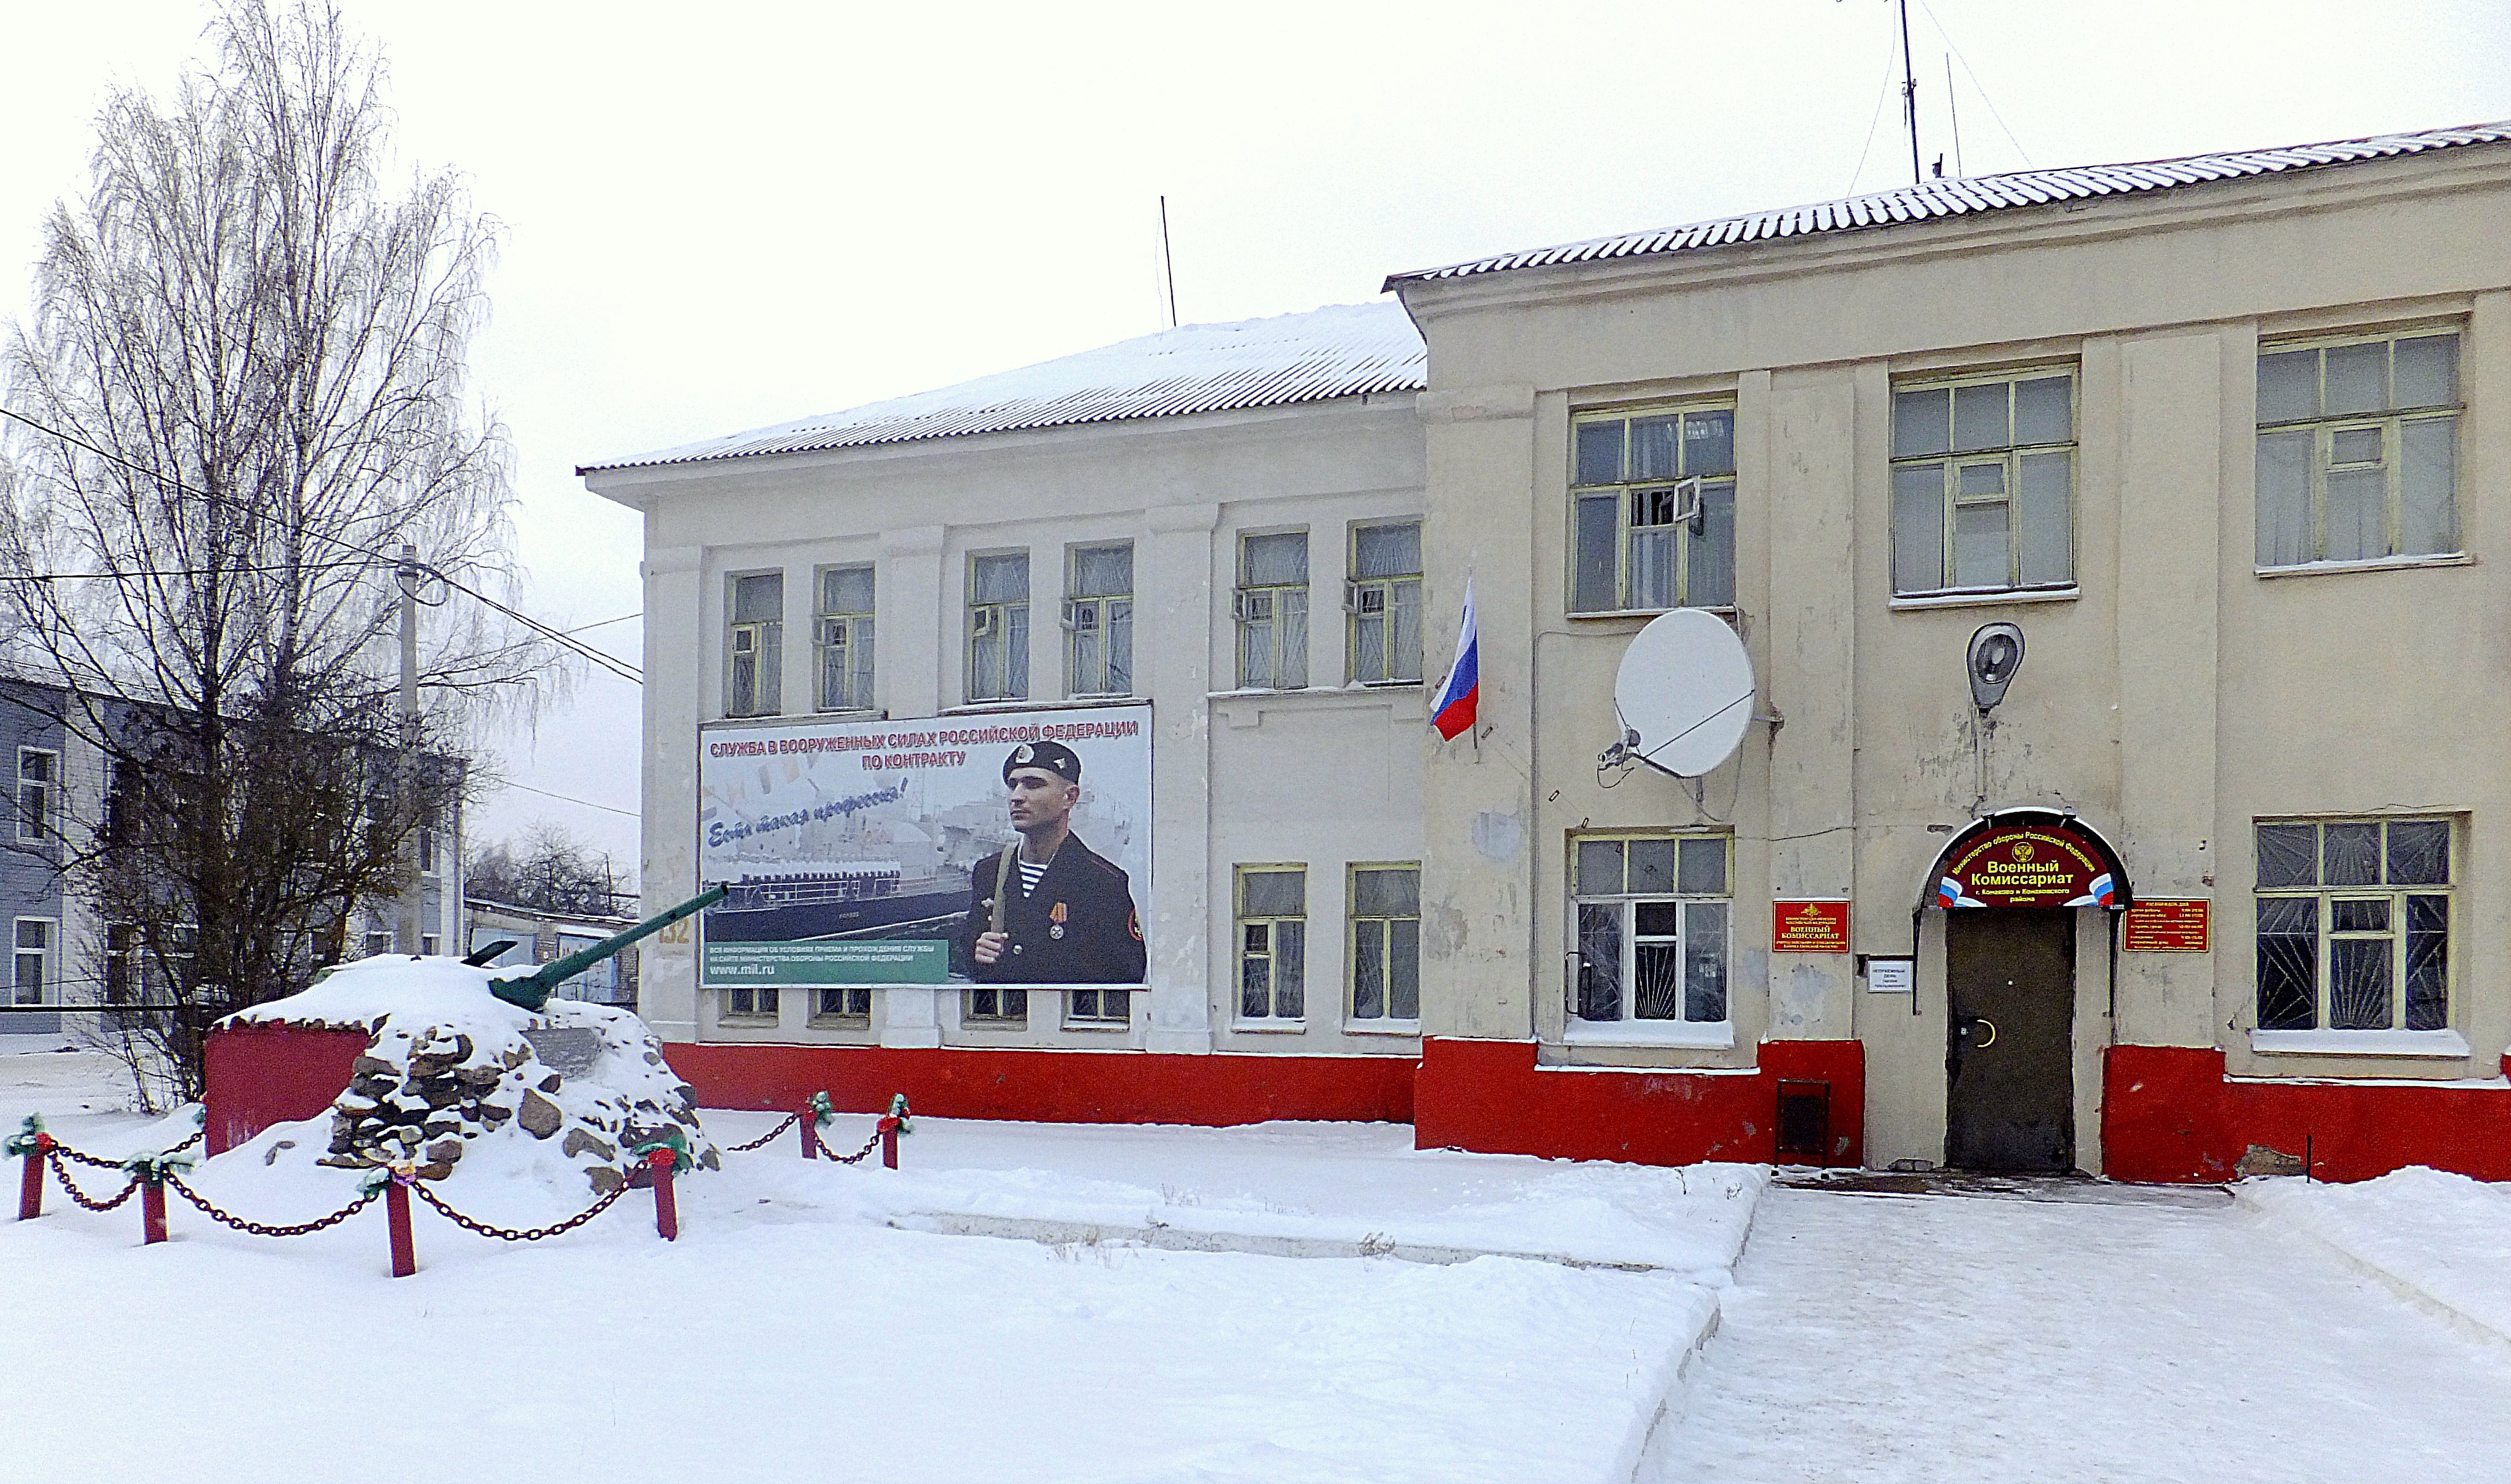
x: 1460, y: 699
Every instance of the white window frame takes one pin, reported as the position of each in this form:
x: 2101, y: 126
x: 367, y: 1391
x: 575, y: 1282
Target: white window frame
x: 1386, y: 928
x: 1264, y: 613
x: 1244, y: 952
x: 995, y: 1007
x: 1105, y: 617
x: 2388, y: 426
x: 1681, y: 503
x: 39, y: 821
x: 1694, y: 911
x: 751, y: 1004
x: 759, y: 641
x: 844, y: 675
x: 1106, y: 1008
x: 2326, y: 935
x: 1955, y: 474
x: 850, y: 1007
x: 1385, y: 604
x: 1005, y: 622
x: 47, y: 961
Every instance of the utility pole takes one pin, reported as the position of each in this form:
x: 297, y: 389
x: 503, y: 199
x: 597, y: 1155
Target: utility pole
x: 1168, y: 264
x: 1909, y: 96
x: 408, y: 939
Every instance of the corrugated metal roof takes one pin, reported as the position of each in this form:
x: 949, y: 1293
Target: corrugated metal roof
x: 1938, y: 199
x: 1340, y: 351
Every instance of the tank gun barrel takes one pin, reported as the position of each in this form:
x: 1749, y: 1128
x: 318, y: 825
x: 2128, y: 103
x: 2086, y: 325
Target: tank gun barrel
x: 531, y: 991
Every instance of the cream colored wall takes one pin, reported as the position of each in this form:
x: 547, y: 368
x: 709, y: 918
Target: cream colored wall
x: 2172, y: 699
x: 1329, y: 775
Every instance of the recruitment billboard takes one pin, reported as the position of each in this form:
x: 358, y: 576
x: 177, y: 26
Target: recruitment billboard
x: 1007, y: 848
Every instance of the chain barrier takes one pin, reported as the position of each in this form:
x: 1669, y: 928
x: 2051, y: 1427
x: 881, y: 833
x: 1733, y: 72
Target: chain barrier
x: 258, y: 1229
x: 90, y: 1161
x: 81, y: 1197
x: 765, y: 1139
x: 528, y: 1234
x: 857, y: 1157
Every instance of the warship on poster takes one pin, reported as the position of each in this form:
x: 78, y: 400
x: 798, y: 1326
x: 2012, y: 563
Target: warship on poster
x: 807, y: 900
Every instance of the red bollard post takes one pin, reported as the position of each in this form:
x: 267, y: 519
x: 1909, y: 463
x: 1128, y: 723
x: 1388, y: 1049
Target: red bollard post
x: 806, y: 1126
x: 31, y: 1186
x: 889, y: 1142
x: 405, y: 1256
x: 667, y: 1207
x: 152, y: 1212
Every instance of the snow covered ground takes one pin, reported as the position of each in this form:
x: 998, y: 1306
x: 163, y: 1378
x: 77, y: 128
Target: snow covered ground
x: 2443, y: 1241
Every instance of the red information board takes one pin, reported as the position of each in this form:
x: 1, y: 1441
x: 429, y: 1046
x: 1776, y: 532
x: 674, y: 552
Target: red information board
x: 1809, y: 927
x: 2168, y: 925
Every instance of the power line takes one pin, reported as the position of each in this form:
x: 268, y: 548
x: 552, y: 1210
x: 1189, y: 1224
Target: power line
x: 1938, y: 22
x: 569, y: 798
x: 587, y: 628
x: 178, y: 571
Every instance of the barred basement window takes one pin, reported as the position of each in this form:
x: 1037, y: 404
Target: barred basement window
x: 1272, y: 943
x: 841, y: 1005
x: 1652, y: 914
x: 1272, y: 610
x: 1098, y: 1008
x: 996, y: 1009
x: 998, y: 628
x: 754, y: 647
x: 2358, y: 449
x: 845, y: 639
x: 1098, y: 621
x: 1653, y: 511
x: 2354, y: 923
x: 1384, y: 600
x: 1984, y: 483
x: 749, y: 1004
x: 1385, y: 958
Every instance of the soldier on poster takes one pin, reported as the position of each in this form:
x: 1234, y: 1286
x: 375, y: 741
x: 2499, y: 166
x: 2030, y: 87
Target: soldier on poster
x: 1048, y: 909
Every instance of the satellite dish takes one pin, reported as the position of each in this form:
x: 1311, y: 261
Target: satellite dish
x: 1684, y: 694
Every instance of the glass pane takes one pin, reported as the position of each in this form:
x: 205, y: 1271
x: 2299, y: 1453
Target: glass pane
x: 1653, y: 866
x: 1369, y: 641
x: 2044, y: 514
x: 2427, y: 484
x: 2358, y: 914
x: 1704, y: 962
x: 2288, y: 386
x: 1101, y: 571
x: 1404, y: 969
x: 1000, y: 579
x: 1981, y: 557
x: 1272, y: 893
x: 1256, y: 668
x: 1369, y: 970
x: 770, y: 682
x: 33, y: 934
x: 1386, y: 893
x: 2350, y: 855
x: 1657, y: 991
x: 1599, y: 867
x: 1919, y: 528
x: 1386, y: 551
x: 1711, y: 581
x: 1709, y: 442
x: 1655, y: 448
x: 1274, y: 561
x: 2427, y: 371
x: 2287, y: 964
x: 2287, y: 855
x: 2045, y: 411
x: 1600, y: 452
x: 2419, y: 852
x: 1656, y: 919
x: 2354, y: 446
x: 2427, y: 964
x: 1016, y: 649
x: 1590, y: 579
x: 759, y: 599
x: 1254, y: 984
x: 2284, y: 498
x: 1652, y: 567
x: 1704, y: 868
x: 1599, y: 962
x: 1290, y: 969
x: 2358, y: 377
x: 1293, y: 670
x: 1977, y: 481
x: 845, y: 590
x: 1921, y: 423
x: 1119, y: 679
x: 2358, y: 984
x: 1403, y: 650
x: 1979, y: 417
x: 2358, y: 515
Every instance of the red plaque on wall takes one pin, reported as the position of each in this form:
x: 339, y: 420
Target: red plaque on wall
x: 1809, y: 927
x: 2168, y: 927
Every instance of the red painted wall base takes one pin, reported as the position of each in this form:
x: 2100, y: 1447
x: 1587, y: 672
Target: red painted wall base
x: 255, y: 1076
x: 1490, y: 1096
x: 2170, y: 1114
x: 1052, y: 1086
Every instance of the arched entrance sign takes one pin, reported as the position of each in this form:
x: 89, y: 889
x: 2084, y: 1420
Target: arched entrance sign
x: 2028, y: 858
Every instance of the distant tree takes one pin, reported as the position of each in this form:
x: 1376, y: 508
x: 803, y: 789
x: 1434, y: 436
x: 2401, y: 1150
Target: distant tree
x: 549, y: 870
x: 252, y: 345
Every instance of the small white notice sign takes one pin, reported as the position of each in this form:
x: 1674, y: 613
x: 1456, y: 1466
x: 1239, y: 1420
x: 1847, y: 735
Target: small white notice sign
x: 1891, y: 976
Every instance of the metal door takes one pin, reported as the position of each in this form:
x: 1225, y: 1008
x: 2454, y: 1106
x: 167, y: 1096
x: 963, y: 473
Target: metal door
x: 2010, y: 979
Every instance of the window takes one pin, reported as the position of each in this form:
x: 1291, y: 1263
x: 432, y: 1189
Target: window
x: 1383, y: 600
x: 845, y: 639
x: 1272, y: 943
x: 38, y: 775
x: 1098, y: 621
x: 34, y: 960
x: 755, y: 683
x: 1273, y: 611
x: 998, y: 1008
x: 1385, y: 959
x: 749, y: 1004
x: 599, y: 983
x: 427, y: 944
x: 1984, y: 484
x: 1100, y: 1007
x: 426, y: 852
x: 1653, y: 510
x: 2354, y: 925
x: 379, y: 942
x: 1652, y: 915
x: 2358, y: 450
x: 998, y: 628
x: 842, y: 1005
x: 518, y: 939
x: 121, y: 803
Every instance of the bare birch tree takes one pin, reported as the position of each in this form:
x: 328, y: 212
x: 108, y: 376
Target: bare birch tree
x: 249, y: 345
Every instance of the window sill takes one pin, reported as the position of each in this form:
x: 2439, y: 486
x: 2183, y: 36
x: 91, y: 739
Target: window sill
x: 1270, y: 1027
x: 1113, y: 1027
x: 1988, y: 599
x: 1725, y: 611
x: 982, y: 708
x: 2435, y: 1044
x: 1685, y: 1034
x: 2376, y: 564
x: 1392, y: 1028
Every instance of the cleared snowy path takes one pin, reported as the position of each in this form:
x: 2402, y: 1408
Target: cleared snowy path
x: 1885, y: 1339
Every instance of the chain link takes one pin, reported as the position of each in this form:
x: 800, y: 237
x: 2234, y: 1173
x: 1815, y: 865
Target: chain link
x: 257, y: 1229
x: 196, y: 1138
x: 857, y: 1157
x: 90, y: 1161
x: 763, y: 1140
x: 531, y: 1234
x: 81, y: 1197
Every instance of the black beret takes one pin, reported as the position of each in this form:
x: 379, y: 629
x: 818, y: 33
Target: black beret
x: 1054, y: 756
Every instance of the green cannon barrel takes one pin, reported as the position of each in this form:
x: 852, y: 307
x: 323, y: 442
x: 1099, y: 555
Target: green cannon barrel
x: 531, y: 991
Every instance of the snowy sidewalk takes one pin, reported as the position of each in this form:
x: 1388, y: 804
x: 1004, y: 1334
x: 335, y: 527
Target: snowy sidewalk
x: 1883, y: 1339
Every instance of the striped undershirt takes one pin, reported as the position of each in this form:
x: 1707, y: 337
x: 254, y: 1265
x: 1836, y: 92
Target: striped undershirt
x: 1030, y: 875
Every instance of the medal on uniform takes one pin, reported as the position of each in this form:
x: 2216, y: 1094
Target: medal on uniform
x: 1056, y: 916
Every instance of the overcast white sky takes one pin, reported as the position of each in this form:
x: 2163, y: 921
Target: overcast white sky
x: 723, y: 216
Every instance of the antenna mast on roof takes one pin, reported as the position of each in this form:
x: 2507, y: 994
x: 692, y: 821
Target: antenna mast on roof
x: 1909, y: 98
x: 1168, y: 265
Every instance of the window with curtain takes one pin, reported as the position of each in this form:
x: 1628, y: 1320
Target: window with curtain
x: 1384, y: 961
x: 1652, y: 503
x: 998, y: 628
x: 1098, y: 620
x: 1383, y: 602
x: 2358, y: 449
x: 846, y: 638
x: 1984, y: 483
x: 1272, y: 943
x: 754, y: 647
x: 1272, y: 602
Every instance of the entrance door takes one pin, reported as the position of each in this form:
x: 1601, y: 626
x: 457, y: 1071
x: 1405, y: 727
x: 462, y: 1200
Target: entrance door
x: 2010, y: 976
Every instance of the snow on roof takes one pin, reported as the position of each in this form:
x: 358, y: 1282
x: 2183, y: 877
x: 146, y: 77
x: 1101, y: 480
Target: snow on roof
x: 1343, y: 350
x: 1941, y: 199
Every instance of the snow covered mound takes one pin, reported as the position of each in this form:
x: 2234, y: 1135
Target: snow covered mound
x: 454, y: 1072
